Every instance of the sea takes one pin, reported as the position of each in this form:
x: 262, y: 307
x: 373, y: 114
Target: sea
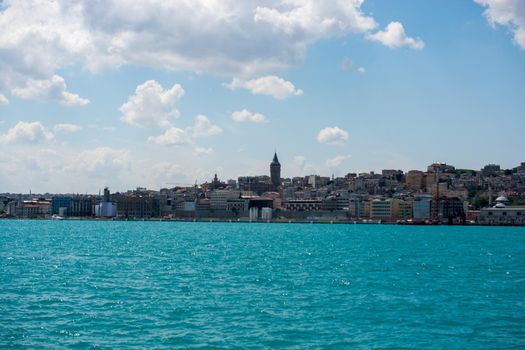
x: 165, y: 285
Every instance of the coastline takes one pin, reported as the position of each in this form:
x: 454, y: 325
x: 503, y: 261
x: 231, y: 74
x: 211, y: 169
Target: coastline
x: 273, y: 221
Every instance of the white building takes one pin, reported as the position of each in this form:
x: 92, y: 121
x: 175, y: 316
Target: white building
x: 381, y: 209
x: 502, y: 214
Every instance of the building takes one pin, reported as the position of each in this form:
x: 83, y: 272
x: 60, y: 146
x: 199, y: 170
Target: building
x: 421, y: 207
x: 490, y: 169
x: 415, y: 180
x: 502, y: 214
x: 275, y: 171
x: 303, y: 205
x: 136, y: 206
x: 402, y: 209
x: 256, y: 184
x: 74, y: 206
x: 29, y: 209
x: 440, y: 168
x: 106, y: 208
x: 381, y: 209
x: 451, y: 210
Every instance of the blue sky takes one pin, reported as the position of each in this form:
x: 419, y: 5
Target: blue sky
x: 126, y: 94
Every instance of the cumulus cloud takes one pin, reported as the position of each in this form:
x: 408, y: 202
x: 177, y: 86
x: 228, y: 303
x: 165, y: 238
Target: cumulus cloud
x: 53, y: 89
x: 394, y: 36
x: 204, y: 128
x: 247, y: 116
x: 227, y: 38
x: 270, y: 85
x: 507, y: 13
x: 27, y: 132
x: 332, y: 135
x: 315, y: 19
x: 336, y: 161
x: 3, y: 100
x: 152, y: 106
x: 171, y: 137
x: 67, y: 128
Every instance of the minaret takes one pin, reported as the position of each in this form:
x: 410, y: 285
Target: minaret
x: 275, y: 171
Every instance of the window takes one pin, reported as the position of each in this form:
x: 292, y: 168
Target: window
x: 518, y: 213
x: 504, y: 213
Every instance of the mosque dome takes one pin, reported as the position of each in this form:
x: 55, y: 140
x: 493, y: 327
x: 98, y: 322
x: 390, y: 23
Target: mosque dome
x: 502, y: 199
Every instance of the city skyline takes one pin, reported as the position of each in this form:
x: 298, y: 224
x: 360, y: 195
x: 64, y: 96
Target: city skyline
x: 91, y: 98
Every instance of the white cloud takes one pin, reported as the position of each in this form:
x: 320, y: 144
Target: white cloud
x: 67, y: 128
x: 32, y: 132
x: 315, y: 19
x: 507, y: 13
x: 3, y: 100
x: 204, y: 128
x: 172, y: 136
x: 152, y: 106
x: 361, y: 70
x: 53, y: 89
x: 394, y: 36
x: 223, y: 37
x: 332, y: 135
x: 336, y: 161
x: 203, y: 151
x: 102, y: 159
x: 270, y: 85
x: 247, y: 116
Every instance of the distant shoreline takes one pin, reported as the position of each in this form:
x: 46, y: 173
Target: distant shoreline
x: 278, y: 221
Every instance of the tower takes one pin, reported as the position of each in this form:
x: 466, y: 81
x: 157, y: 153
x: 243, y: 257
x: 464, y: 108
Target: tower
x: 275, y: 171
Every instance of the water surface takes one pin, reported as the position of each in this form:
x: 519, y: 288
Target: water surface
x: 88, y: 284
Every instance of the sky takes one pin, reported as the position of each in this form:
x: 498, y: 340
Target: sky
x: 154, y: 93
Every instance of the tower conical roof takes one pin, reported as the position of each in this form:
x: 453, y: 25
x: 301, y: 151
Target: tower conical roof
x: 275, y: 160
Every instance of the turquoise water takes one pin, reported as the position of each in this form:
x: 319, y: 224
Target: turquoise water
x: 217, y: 285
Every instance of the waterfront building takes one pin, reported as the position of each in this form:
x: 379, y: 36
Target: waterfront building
x: 502, y: 214
x: 381, y: 208
x: 29, y: 209
x: 303, y: 205
x: 237, y: 207
x: 402, y: 209
x: 202, y: 207
x: 452, y: 210
x: 106, y: 208
x: 136, y: 206
x: 219, y: 198
x: 275, y: 171
x: 421, y: 207
x: 73, y: 206
x: 356, y: 207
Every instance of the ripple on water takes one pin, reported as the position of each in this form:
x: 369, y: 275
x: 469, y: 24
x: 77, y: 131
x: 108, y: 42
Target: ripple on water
x: 210, y: 285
